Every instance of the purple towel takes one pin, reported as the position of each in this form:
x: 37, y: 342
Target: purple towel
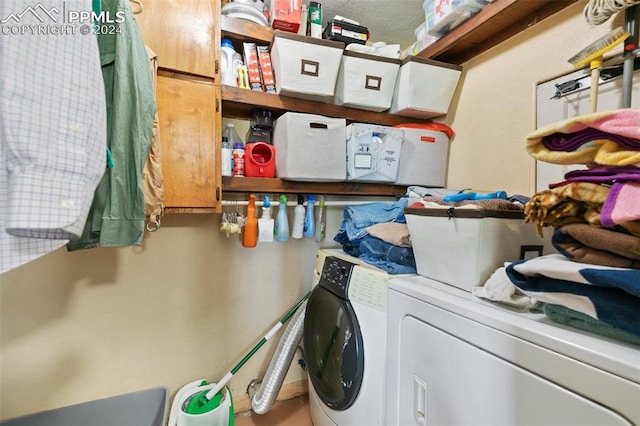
x: 571, y: 142
x: 604, y: 175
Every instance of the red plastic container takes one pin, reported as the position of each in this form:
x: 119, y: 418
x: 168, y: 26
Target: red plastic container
x: 260, y: 160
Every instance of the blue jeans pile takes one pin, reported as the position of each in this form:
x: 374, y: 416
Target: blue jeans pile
x: 357, y: 242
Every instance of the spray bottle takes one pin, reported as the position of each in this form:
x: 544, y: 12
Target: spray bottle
x: 265, y: 223
x: 250, y: 231
x: 309, y: 224
x: 298, y: 219
x: 281, y: 228
x: 321, y: 220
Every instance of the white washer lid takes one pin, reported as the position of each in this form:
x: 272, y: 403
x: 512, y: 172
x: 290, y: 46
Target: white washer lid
x: 619, y: 358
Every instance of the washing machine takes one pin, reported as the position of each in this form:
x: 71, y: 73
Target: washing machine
x: 344, y: 341
x: 454, y: 359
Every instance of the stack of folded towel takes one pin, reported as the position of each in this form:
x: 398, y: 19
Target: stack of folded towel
x: 596, y: 216
x: 378, y: 234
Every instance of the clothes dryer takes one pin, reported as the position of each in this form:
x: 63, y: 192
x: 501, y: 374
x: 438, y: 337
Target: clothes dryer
x: 457, y: 360
x: 344, y: 341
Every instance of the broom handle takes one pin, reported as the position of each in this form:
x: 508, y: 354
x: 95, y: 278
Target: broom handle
x: 218, y: 387
x: 593, y: 96
x: 631, y: 22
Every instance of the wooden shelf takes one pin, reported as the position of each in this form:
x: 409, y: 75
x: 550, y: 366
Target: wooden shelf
x: 281, y: 186
x: 238, y: 103
x: 495, y: 23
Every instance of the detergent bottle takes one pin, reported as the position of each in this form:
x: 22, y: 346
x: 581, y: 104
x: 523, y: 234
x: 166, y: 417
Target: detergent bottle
x: 265, y: 223
x: 298, y: 218
x: 230, y: 60
x: 250, y: 230
x: 281, y: 227
x: 309, y: 224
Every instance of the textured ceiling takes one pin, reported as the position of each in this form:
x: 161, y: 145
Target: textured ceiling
x: 391, y: 21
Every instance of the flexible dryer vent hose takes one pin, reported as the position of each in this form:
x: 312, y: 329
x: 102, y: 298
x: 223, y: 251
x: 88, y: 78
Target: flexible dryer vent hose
x: 268, y: 391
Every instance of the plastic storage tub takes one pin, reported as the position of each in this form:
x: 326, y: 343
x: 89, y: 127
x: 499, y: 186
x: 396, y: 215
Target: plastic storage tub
x: 310, y: 147
x: 464, y: 246
x: 305, y: 67
x: 373, y: 152
x: 366, y: 81
x: 424, y: 154
x: 443, y: 16
x: 424, y: 88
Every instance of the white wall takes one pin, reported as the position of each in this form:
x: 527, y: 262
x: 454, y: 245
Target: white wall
x: 495, y: 108
x: 190, y: 302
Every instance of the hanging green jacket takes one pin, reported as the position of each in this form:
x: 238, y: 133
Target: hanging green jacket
x: 117, y: 216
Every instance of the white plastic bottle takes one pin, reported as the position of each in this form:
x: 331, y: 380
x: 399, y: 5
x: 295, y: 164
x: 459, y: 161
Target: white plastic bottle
x: 226, y: 157
x: 229, y: 62
x: 298, y: 219
x: 265, y: 223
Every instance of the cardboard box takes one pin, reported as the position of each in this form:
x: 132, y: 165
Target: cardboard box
x: 366, y: 81
x: 286, y: 15
x: 253, y: 67
x: 424, y: 156
x: 266, y: 71
x: 305, y: 67
x: 345, y: 32
x: 424, y: 88
x: 310, y: 147
x: 462, y: 247
x: 373, y: 152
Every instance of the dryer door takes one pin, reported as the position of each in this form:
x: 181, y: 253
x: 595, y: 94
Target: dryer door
x: 333, y: 349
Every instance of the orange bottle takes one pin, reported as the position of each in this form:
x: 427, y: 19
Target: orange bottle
x: 250, y: 232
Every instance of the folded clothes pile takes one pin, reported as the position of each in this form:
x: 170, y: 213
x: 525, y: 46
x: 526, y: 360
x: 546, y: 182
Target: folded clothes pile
x: 377, y: 233
x: 595, y: 214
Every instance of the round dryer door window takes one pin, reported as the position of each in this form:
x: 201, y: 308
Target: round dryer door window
x: 333, y: 349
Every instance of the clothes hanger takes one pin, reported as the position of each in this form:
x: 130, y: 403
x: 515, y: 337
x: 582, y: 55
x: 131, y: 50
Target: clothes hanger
x: 140, y: 6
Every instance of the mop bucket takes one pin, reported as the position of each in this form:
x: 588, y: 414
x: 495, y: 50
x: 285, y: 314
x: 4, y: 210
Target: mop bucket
x: 223, y: 415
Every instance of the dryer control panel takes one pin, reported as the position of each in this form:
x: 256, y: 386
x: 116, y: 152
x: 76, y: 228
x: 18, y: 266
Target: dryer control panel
x: 335, y: 276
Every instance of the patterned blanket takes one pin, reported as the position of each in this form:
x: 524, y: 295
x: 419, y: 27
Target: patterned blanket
x: 610, y: 138
x: 611, y: 295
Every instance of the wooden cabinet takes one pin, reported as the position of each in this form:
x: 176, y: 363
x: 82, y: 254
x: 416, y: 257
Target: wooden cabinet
x: 188, y: 112
x: 184, y: 34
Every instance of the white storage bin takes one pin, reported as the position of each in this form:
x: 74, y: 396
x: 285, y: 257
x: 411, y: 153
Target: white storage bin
x: 424, y: 88
x: 305, y: 67
x: 373, y: 152
x: 463, y: 246
x: 366, y: 81
x: 424, y: 155
x: 310, y: 147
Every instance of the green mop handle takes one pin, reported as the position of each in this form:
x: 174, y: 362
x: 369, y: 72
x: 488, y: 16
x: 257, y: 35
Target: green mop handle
x: 221, y: 384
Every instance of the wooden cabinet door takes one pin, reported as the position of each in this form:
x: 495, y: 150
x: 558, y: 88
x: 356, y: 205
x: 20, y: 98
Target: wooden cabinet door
x: 184, y: 34
x: 188, y: 111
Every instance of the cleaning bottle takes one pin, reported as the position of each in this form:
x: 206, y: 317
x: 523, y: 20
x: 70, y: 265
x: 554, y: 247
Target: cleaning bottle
x: 321, y: 220
x: 265, y: 223
x: 230, y: 60
x: 226, y: 157
x: 298, y: 218
x: 281, y: 226
x: 250, y: 230
x: 309, y: 224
